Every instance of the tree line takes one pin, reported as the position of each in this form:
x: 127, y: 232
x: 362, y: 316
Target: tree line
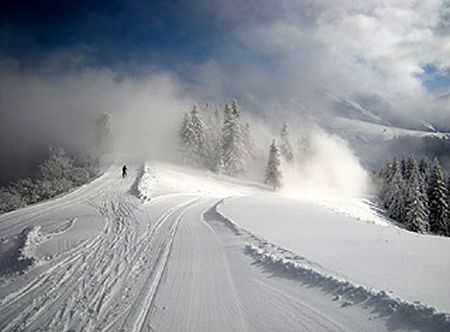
x: 222, y: 142
x: 416, y: 194
x: 60, y: 171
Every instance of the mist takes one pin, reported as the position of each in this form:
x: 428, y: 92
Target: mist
x: 300, y: 61
x: 40, y: 109
x: 330, y: 169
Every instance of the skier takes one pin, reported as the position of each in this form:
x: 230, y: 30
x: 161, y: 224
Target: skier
x: 124, y: 171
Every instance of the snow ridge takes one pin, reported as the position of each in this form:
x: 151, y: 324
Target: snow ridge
x: 33, y: 238
x: 18, y: 253
x: 270, y: 255
x: 145, y: 184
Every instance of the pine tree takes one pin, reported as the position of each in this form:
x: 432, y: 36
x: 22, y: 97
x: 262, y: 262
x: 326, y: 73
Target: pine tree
x: 417, y: 213
x: 403, y: 167
x: 213, y: 123
x: 273, y: 175
x: 58, y: 165
x: 438, y: 201
x: 410, y: 165
x: 187, y: 140
x: 219, y: 166
x: 233, y: 142
x: 286, y: 147
x: 10, y: 200
x: 424, y: 167
x: 387, y: 174
x: 199, y: 130
x: 394, y: 197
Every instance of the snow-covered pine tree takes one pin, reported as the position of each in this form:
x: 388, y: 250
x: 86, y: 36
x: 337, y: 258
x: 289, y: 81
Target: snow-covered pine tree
x: 233, y: 142
x: 219, y: 166
x: 403, y: 166
x: 286, y: 146
x: 58, y: 165
x: 273, y: 176
x: 187, y: 140
x: 387, y: 175
x: 213, y: 124
x: 55, y: 174
x: 417, y: 213
x: 199, y: 129
x: 424, y: 167
x: 448, y: 190
x: 438, y: 201
x: 10, y: 200
x: 410, y: 165
x: 394, y: 197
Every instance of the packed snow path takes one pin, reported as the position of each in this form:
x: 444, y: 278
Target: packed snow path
x: 100, y: 259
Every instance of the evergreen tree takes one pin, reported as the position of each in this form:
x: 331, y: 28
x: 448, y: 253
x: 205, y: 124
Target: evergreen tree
x: 286, y: 147
x: 387, y: 174
x: 199, y: 129
x: 273, y: 175
x: 58, y: 165
x: 233, y: 142
x: 212, y: 123
x: 10, y: 200
x: 417, y: 213
x: 187, y: 140
x: 403, y: 167
x: 394, y: 200
x: 410, y: 165
x: 438, y: 201
x: 26, y: 189
x: 424, y: 167
x: 219, y: 166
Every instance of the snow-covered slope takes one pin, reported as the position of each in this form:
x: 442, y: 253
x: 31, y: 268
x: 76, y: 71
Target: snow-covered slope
x: 160, y: 250
x: 367, y: 131
x: 352, y: 246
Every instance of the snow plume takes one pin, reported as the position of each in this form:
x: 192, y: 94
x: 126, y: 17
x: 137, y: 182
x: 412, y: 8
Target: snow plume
x: 327, y: 167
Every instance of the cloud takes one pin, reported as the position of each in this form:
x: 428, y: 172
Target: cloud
x: 282, y: 59
x: 307, y: 50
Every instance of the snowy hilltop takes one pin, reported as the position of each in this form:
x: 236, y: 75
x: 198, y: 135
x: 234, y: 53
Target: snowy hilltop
x: 168, y: 248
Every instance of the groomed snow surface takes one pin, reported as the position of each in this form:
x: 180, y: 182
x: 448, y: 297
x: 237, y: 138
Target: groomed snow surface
x: 175, y: 249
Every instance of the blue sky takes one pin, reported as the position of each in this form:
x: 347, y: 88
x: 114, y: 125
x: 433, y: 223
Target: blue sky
x: 114, y: 32
x: 291, y: 48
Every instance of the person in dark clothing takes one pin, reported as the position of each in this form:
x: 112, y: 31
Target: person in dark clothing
x: 124, y: 171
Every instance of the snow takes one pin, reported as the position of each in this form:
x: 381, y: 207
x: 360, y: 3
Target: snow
x: 411, y: 266
x: 365, y: 130
x: 172, y: 248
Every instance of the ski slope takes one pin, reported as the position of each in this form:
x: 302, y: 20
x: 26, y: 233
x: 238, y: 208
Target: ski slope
x: 161, y: 251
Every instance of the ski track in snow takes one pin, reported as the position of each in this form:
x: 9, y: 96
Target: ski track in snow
x: 89, y: 287
x: 167, y: 261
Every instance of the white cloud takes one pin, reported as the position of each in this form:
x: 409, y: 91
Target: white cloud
x: 308, y: 49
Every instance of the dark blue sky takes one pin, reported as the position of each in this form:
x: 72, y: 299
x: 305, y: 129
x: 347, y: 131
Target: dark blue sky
x: 113, y: 33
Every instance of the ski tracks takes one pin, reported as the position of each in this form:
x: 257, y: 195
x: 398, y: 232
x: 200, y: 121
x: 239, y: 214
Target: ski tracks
x: 106, y: 281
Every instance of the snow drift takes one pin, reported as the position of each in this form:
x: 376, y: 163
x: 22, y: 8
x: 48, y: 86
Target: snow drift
x: 276, y: 258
